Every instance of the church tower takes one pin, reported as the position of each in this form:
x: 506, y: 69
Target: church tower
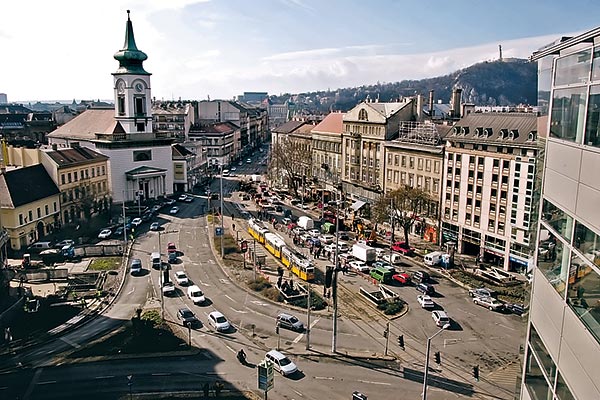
x: 133, y: 109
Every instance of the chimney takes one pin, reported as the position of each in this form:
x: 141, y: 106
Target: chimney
x: 420, y: 107
x: 431, y: 110
x: 456, y: 107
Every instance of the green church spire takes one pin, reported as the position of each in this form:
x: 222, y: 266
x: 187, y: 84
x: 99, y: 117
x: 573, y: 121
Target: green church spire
x: 129, y: 57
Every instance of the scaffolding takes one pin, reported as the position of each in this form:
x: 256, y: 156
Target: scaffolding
x: 419, y: 132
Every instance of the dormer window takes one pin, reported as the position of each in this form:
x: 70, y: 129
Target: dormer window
x: 465, y: 130
x: 479, y: 132
x: 362, y: 115
x: 503, y: 133
x: 532, y: 136
x: 487, y: 132
x: 456, y: 130
x: 513, y: 134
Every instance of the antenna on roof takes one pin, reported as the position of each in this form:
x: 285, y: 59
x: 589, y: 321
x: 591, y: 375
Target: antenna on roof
x: 500, y: 49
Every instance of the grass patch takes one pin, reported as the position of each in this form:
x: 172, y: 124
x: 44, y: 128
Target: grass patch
x: 105, y: 264
x: 229, y: 245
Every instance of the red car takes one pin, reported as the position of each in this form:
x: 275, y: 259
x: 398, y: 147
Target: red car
x: 171, y: 248
x: 403, y: 248
x: 402, y: 278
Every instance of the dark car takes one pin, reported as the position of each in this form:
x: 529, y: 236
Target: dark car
x: 187, y: 317
x: 515, y: 308
x: 483, y: 292
x: 425, y: 288
x: 420, y: 276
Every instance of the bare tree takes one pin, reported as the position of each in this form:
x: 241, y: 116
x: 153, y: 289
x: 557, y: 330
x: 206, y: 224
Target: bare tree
x: 402, y: 207
x: 290, y: 162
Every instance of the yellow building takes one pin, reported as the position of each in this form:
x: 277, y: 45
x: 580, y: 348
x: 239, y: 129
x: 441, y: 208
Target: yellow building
x: 29, y: 205
x: 81, y: 175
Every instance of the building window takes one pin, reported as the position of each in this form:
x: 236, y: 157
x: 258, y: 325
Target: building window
x: 553, y: 261
x: 587, y: 242
x: 121, y: 104
x: 140, y: 127
x: 535, y: 381
x: 69, y: 177
x: 411, y: 163
x: 436, y: 167
x: 362, y: 115
x: 30, y: 214
x: 582, y: 295
x: 420, y: 164
x: 557, y: 219
x: 140, y: 105
x: 39, y: 212
x: 62, y: 179
x: 21, y: 219
x: 574, y: 68
x: 592, y: 130
x: 46, y: 209
x: 568, y: 110
x: 396, y: 160
x: 55, y: 207
x: 142, y: 155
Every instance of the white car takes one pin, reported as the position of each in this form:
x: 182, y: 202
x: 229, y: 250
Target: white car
x: 314, y: 233
x: 327, y: 239
x: 218, y: 321
x: 233, y: 168
x: 174, y: 210
x: 181, y: 278
x: 104, y: 234
x: 136, y: 222
x: 281, y: 363
x: 359, y: 266
x: 298, y: 230
x: 168, y: 288
x: 196, y: 295
x: 425, y: 301
x: 182, y: 197
x: 343, y: 247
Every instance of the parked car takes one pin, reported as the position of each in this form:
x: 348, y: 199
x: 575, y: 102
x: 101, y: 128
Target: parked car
x: 181, y: 278
x: 327, y: 239
x: 189, y: 199
x: 154, y: 226
x: 402, y: 278
x: 174, y: 210
x: 136, y: 222
x: 314, y: 233
x: 169, y: 202
x: 343, y: 247
x: 482, y: 292
x: 187, y: 317
x: 218, y: 321
x: 440, y: 318
x: 171, y: 247
x: 425, y: 288
x: 515, y: 308
x: 421, y: 276
x: 291, y: 322
x: 104, y: 234
x: 359, y: 266
x: 489, y: 302
x: 403, y: 248
x: 281, y: 363
x: 63, y: 243
x: 182, y: 197
x: 425, y: 301
x: 136, y: 266
x: 168, y: 288
x: 172, y: 258
x: 196, y: 295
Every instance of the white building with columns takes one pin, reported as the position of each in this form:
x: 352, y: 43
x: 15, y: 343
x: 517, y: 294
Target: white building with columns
x: 140, y: 160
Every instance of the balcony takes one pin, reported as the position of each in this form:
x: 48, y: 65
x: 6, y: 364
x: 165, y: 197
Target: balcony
x: 456, y: 190
x: 495, y: 185
x: 504, y: 186
x: 471, y: 180
x: 470, y: 193
x: 478, y: 196
x: 479, y: 182
x: 495, y: 170
x: 472, y: 166
x: 480, y: 168
x: 450, y: 163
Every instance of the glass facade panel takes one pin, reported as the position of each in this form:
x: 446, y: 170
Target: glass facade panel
x: 536, y: 384
x: 557, y: 219
x: 553, y: 260
x: 596, y: 65
x: 587, y: 242
x: 568, y: 111
x: 583, y: 296
x: 562, y: 390
x: 592, y: 126
x: 542, y: 354
x: 574, y: 68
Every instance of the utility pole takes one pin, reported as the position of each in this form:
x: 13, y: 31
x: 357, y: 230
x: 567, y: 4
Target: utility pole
x: 222, y: 212
x: 335, y: 274
x: 308, y: 318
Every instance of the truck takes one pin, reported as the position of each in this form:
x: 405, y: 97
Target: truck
x: 306, y: 223
x: 364, y: 253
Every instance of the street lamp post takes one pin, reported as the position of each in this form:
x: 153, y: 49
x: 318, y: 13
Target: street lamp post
x: 335, y: 275
x: 308, y: 318
x: 427, y: 359
x: 222, y: 210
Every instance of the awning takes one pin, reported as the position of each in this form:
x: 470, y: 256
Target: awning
x: 358, y: 204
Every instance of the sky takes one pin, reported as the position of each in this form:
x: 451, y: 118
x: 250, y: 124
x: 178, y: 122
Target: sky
x: 63, y: 49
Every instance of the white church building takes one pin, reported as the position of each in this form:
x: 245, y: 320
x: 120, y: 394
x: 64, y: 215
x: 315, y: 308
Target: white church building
x: 140, y: 160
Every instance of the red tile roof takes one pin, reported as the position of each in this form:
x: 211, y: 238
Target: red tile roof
x: 333, y: 123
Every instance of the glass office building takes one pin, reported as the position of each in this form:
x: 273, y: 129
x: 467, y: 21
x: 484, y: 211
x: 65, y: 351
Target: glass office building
x: 562, y: 359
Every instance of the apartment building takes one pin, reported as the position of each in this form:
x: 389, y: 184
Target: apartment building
x: 365, y: 129
x: 562, y: 356
x: 172, y: 119
x: 327, y: 149
x: 217, y: 140
x: 488, y: 187
x: 415, y: 159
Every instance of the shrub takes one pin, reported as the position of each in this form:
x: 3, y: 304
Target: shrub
x: 259, y: 284
x: 151, y: 318
x: 272, y: 293
x: 393, y: 308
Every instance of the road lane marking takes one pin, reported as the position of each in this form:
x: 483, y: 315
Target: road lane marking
x: 104, y: 377
x: 315, y: 322
x: 324, y: 377
x: 230, y: 348
x: 229, y: 297
x: 238, y: 311
x: 298, y: 393
x: 46, y: 383
x: 211, y: 261
x: 259, y: 303
x: 507, y: 327
x: 376, y: 383
x: 297, y: 339
x: 132, y: 290
x: 162, y: 374
x: 70, y: 342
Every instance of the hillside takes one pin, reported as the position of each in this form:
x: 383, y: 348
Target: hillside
x: 496, y: 83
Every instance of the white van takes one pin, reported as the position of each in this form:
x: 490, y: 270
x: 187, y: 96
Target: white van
x: 394, y: 258
x: 155, y: 260
x: 433, y: 258
x: 225, y: 172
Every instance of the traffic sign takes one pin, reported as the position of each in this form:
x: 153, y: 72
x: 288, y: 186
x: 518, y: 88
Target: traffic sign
x: 244, y: 246
x: 218, y: 231
x: 265, y: 376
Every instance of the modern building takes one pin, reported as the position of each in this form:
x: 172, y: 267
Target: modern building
x: 415, y: 160
x: 140, y: 159
x: 488, y: 187
x: 29, y: 205
x: 562, y: 356
x: 366, y: 128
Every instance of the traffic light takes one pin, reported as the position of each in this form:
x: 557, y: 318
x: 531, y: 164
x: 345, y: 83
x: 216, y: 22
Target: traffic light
x: 476, y: 372
x: 438, y: 357
x: 401, y: 341
x: 328, y: 276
